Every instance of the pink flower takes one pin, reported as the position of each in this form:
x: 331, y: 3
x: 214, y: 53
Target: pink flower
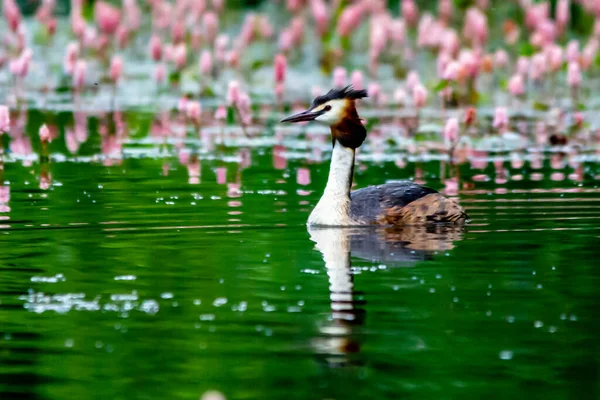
x: 410, y: 12
x: 554, y: 57
x: 500, y: 118
x: 445, y: 9
x: 233, y: 92
x: 451, y: 130
x: 211, y: 26
x: 397, y: 31
x: 562, y: 13
x: 233, y: 58
x: 573, y: 75
x: 588, y: 55
x: 280, y: 66
x: 221, y: 43
x: 107, y: 17
x: 339, y: 77
x: 303, y: 176
x: 350, y: 19
x: 516, y: 86
x: 71, y: 57
x: 20, y: 66
x: 451, y: 71
x: 45, y: 136
x: 79, y: 74
x: 155, y: 47
x: 523, y: 65
x: 320, y: 15
x: 476, y: 26
x: 116, y: 68
x: 573, y: 51
x: 412, y: 80
x: 180, y: 55
x: 374, y: 91
x: 538, y: 66
x: 132, y: 15
x: 221, y: 113
x: 206, y: 63
x: 194, y: 111
x: 285, y: 40
x: 160, y: 73
x: 501, y: 59
x: 357, y: 79
x: 4, y: 120
x: 12, y: 14
x: 419, y: 95
x: 77, y: 24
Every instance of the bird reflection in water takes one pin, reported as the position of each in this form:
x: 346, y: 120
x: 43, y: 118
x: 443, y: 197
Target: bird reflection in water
x: 339, y: 342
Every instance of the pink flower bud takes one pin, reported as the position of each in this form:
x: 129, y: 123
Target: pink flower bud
x: 357, y: 79
x: 116, y: 68
x: 562, y: 13
x: 194, y: 111
x: 523, y: 65
x: 180, y: 55
x: 160, y: 73
x: 554, y: 57
x: 501, y: 59
x: 12, y: 13
x: 419, y: 95
x: 233, y: 58
x: 71, y: 57
x: 79, y: 74
x: 206, y: 63
x: 211, y: 26
x: 339, y: 77
x: 233, y: 92
x: 574, y: 74
x: 397, y: 31
x: 45, y: 136
x: 573, y: 51
x: 280, y: 66
x: 412, y: 80
x: 410, y: 12
x: 221, y: 113
x: 4, y: 120
x: 445, y: 9
x: 500, y: 118
x: 451, y: 71
x: 107, y: 17
x: 350, y: 19
x: 538, y: 67
x: 451, y: 130
x: 516, y: 86
x: 155, y: 47
x: 320, y: 15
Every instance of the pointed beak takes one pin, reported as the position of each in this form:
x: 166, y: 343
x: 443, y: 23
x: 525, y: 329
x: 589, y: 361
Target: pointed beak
x: 304, y: 116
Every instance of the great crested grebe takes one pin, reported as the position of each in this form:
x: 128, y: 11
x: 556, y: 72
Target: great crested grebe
x: 396, y: 203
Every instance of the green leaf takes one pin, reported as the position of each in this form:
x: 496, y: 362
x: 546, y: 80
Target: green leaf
x: 443, y: 84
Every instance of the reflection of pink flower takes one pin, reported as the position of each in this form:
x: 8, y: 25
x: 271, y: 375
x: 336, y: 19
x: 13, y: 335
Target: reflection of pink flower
x: 4, y: 194
x: 4, y: 119
x: 500, y: 118
x: 194, y: 111
x: 303, y: 176
x: 451, y: 130
x: 45, y: 136
x: 221, y: 175
x: 45, y: 181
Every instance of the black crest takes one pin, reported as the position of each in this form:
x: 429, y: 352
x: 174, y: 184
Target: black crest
x: 337, y: 94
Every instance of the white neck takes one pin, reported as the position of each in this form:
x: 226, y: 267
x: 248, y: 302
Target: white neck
x: 334, y: 207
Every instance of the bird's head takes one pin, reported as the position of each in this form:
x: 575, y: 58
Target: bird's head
x: 336, y: 109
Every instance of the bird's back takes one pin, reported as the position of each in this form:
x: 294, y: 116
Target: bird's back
x: 403, y: 202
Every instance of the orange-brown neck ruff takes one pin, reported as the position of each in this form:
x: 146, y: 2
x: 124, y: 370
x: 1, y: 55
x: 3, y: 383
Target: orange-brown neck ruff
x: 349, y: 132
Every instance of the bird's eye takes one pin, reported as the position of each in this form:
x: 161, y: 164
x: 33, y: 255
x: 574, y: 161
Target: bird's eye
x: 327, y: 108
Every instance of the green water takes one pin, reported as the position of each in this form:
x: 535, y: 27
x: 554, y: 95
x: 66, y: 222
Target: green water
x: 126, y: 281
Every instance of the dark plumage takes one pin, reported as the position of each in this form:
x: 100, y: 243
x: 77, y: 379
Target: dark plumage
x: 403, y: 202
x: 347, y: 92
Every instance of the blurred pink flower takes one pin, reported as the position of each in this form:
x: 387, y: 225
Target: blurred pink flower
x: 194, y: 111
x: 412, y: 80
x: 451, y: 130
x: 4, y: 120
x: 221, y: 113
x: 20, y: 66
x: 451, y: 71
x: 339, y: 77
x: 419, y: 95
x: 516, y: 86
x: 476, y: 26
x: 523, y: 65
x: 211, y: 26
x: 155, y: 47
x: 554, y: 57
x: 71, y: 57
x: 357, y: 79
x: 573, y: 51
x: 350, y: 19
x: 562, y: 13
x: 107, y: 17
x: 221, y: 175
x: 206, y: 63
x: 500, y: 118
x: 410, y: 12
x: 501, y: 59
x: 12, y: 14
x: 116, y: 68
x: 538, y: 67
x: 397, y: 31
x: 303, y: 176
x: 160, y: 73
x: 445, y: 9
x: 574, y: 75
x: 233, y: 92
x: 180, y: 56
x: 4, y: 194
x: 280, y: 67
x: 320, y: 15
x: 79, y: 74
